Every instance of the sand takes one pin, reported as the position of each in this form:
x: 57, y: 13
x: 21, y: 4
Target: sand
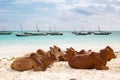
x: 61, y: 71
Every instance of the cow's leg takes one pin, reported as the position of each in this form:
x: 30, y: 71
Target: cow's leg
x: 36, y: 68
x: 101, y: 67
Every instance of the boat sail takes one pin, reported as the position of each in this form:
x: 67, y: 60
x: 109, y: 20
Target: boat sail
x: 37, y: 33
x: 82, y: 32
x: 54, y: 32
x: 99, y: 32
x: 22, y: 34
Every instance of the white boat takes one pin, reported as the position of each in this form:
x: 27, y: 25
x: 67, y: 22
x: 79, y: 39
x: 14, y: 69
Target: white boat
x: 54, y: 32
x: 81, y: 32
x: 101, y: 32
x: 37, y: 33
x: 22, y: 34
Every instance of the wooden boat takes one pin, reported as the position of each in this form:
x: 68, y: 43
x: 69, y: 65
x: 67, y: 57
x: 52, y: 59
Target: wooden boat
x: 101, y: 32
x: 37, y: 33
x: 54, y: 32
x: 5, y: 32
x: 81, y: 32
x: 22, y: 34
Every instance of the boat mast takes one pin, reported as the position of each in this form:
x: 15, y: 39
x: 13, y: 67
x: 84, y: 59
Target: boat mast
x: 50, y: 29
x: 54, y: 28
x: 21, y: 29
x: 99, y: 28
x: 82, y: 28
x: 37, y: 28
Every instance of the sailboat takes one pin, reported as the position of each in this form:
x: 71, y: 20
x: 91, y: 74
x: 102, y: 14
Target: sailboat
x: 4, y: 32
x: 101, y: 32
x: 75, y: 32
x: 82, y: 32
x: 37, y: 33
x: 22, y: 34
x: 54, y: 32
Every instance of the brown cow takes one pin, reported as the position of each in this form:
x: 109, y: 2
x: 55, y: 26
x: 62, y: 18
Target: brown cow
x: 28, y: 63
x: 71, y: 52
x: 50, y: 59
x: 39, y: 61
x: 50, y: 56
x: 92, y: 60
x: 41, y: 52
x: 56, y: 50
x: 35, y: 62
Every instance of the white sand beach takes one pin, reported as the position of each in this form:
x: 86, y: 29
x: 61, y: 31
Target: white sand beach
x: 61, y: 71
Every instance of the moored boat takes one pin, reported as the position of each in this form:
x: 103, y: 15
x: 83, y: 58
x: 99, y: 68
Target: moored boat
x: 37, y: 33
x: 23, y: 35
x: 54, y: 32
x: 101, y: 32
x: 81, y: 32
x: 5, y: 32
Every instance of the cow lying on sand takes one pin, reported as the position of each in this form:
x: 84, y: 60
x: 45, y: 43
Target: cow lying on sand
x: 27, y: 63
x: 37, y: 61
x: 97, y: 60
x: 53, y: 50
x: 58, y: 52
x: 71, y: 52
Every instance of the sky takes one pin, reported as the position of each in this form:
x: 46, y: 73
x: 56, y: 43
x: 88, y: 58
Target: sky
x: 63, y: 14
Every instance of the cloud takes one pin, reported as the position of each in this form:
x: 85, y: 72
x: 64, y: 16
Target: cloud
x: 82, y: 11
x: 25, y: 1
x: 61, y: 13
x: 35, y: 1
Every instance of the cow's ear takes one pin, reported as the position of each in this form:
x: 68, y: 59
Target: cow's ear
x: 59, y: 49
x: 55, y: 46
x: 51, y: 48
x: 32, y: 55
x: 107, y: 46
x: 35, y: 57
x: 89, y: 50
x: 67, y: 49
x: 102, y: 50
x: 72, y: 49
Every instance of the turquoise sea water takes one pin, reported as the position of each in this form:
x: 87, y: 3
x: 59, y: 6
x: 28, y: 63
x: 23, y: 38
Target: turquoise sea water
x: 12, y: 43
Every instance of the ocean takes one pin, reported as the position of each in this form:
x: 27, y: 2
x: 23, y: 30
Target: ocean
x: 11, y: 45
